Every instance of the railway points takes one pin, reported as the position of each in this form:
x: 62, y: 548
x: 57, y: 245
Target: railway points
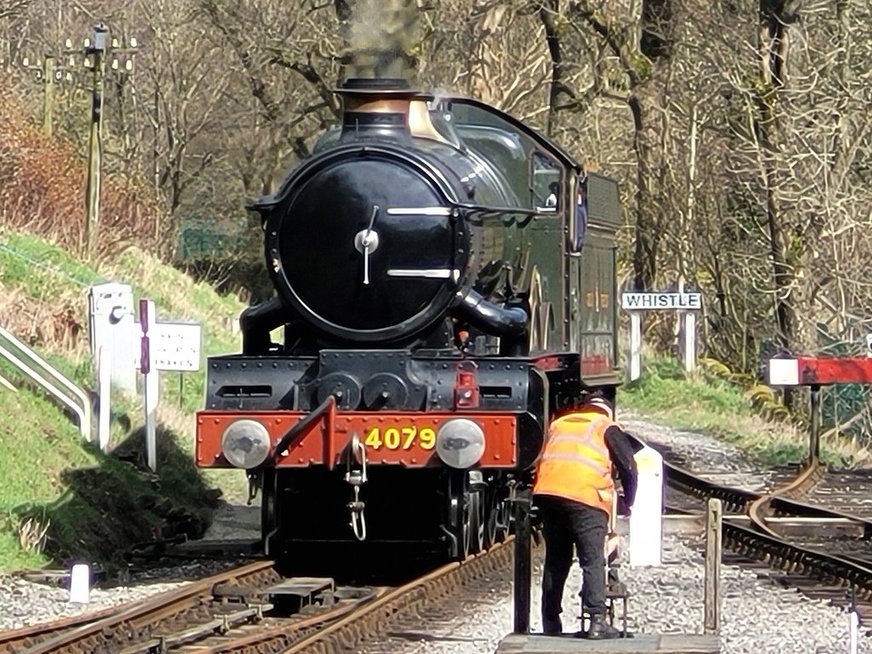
x: 801, y: 527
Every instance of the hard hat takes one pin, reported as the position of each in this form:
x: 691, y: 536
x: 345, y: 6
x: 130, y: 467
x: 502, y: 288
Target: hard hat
x: 603, y: 405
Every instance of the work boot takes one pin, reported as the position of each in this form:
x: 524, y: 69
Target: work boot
x: 600, y: 629
x: 552, y: 626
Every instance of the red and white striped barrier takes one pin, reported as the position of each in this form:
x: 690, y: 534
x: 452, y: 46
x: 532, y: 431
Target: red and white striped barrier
x: 819, y: 371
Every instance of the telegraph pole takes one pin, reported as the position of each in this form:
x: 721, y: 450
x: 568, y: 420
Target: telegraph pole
x: 48, y: 78
x: 96, y: 51
x: 48, y: 73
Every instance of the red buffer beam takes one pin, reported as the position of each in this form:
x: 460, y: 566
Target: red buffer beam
x: 819, y: 371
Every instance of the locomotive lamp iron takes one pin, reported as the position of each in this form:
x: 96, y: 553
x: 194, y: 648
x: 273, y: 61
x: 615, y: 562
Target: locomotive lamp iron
x: 443, y: 274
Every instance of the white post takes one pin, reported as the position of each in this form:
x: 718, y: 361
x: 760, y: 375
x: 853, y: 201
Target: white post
x: 635, y: 345
x: 80, y: 584
x: 150, y: 381
x: 151, y: 390
x: 853, y: 628
x: 104, y: 376
x: 646, y: 518
x: 689, y: 341
x: 113, y: 326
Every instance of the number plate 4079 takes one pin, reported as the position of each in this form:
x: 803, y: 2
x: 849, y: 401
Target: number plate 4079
x: 400, y: 438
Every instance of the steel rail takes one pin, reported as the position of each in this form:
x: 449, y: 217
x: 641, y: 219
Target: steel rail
x: 279, y: 637
x: 779, y: 553
x: 186, y: 619
x: 841, y: 574
x: 761, y: 508
x: 741, y: 501
x: 366, y: 623
x: 133, y: 617
x: 16, y: 640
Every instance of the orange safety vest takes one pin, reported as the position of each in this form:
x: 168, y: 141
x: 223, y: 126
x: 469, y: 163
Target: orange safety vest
x: 575, y: 463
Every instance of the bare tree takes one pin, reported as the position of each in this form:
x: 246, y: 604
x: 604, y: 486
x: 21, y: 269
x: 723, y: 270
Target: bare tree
x: 10, y: 8
x: 183, y: 92
x: 740, y: 133
x: 645, y: 66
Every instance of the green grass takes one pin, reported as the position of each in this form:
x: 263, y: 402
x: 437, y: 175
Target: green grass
x: 49, y: 447
x: 94, y: 506
x: 693, y: 402
x: 39, y: 267
x: 709, y: 404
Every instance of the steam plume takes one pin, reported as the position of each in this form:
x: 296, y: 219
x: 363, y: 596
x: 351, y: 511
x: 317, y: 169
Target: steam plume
x: 382, y: 37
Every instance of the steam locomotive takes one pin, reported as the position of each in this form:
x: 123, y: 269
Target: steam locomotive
x: 444, y: 276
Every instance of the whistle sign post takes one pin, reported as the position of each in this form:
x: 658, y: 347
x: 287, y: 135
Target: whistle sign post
x: 685, y: 303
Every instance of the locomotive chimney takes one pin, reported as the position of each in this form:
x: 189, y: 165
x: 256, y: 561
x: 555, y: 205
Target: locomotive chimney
x: 375, y: 108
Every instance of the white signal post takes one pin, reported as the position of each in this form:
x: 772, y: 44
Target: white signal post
x: 113, y: 344
x: 686, y: 303
x: 150, y: 380
x: 104, y: 377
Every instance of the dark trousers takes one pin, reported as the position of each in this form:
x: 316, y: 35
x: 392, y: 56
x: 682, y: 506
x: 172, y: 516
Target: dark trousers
x: 567, y: 524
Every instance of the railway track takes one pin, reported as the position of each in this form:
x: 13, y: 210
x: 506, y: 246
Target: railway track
x: 823, y: 552
x: 252, y: 609
x: 18, y: 640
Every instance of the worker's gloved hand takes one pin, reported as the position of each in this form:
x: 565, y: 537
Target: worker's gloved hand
x: 623, y: 507
x: 535, y: 517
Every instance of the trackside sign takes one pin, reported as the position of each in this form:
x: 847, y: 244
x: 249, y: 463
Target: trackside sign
x: 661, y: 301
x: 686, y: 304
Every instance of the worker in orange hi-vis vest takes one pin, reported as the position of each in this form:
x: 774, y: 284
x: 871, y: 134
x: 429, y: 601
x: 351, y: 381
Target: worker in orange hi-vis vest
x: 574, y: 493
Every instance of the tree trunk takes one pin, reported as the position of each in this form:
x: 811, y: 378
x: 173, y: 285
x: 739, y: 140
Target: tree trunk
x: 772, y: 53
x: 548, y: 10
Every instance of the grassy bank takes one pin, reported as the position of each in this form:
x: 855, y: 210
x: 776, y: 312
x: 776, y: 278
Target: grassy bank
x: 706, y: 402
x: 61, y: 499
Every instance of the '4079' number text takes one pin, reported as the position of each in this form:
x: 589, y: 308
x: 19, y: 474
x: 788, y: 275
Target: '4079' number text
x: 400, y: 438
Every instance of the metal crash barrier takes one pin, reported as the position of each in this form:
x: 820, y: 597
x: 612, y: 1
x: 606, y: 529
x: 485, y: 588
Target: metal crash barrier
x: 40, y: 371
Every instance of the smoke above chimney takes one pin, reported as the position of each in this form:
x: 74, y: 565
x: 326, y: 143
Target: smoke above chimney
x: 381, y: 37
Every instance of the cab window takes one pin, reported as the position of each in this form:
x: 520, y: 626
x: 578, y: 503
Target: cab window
x: 545, y: 184
x: 578, y: 215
